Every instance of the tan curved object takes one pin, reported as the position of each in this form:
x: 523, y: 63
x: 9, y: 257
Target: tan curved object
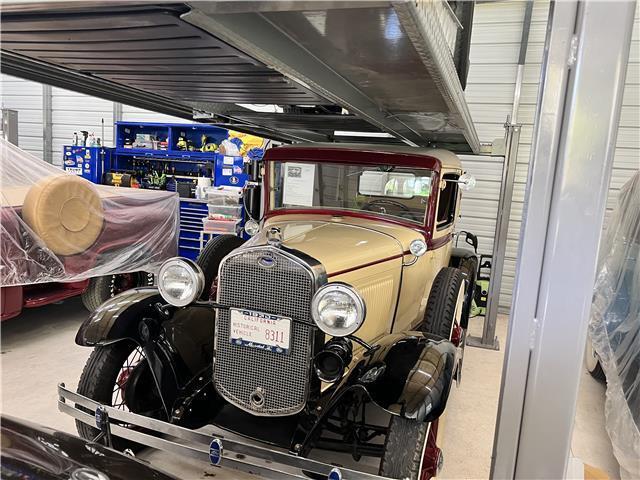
x: 65, y: 211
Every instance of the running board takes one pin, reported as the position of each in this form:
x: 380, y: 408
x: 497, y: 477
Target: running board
x: 211, y: 448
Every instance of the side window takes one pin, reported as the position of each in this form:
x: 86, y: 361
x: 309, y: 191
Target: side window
x: 447, y: 202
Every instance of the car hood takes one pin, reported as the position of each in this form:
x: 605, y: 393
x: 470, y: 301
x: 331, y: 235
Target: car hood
x: 338, y: 245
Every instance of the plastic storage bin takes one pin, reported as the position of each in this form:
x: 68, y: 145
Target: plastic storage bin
x: 228, y: 196
x: 219, y: 212
x: 220, y: 226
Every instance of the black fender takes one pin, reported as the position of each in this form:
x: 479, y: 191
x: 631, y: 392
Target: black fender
x: 178, y: 342
x: 408, y: 374
x: 189, y: 331
x: 118, y: 318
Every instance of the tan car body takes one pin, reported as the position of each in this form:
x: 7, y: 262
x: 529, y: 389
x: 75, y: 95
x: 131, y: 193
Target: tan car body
x: 373, y: 256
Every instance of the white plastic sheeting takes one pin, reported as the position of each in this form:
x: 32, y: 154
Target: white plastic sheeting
x: 615, y: 327
x: 59, y: 227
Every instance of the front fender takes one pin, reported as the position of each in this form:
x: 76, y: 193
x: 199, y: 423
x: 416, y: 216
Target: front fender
x: 188, y: 331
x: 118, y: 317
x: 178, y: 345
x: 408, y: 374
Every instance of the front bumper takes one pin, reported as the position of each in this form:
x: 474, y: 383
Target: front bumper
x: 212, y: 448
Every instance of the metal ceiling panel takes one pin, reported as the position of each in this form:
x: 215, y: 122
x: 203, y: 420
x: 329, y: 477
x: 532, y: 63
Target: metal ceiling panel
x: 380, y: 67
x: 190, y: 64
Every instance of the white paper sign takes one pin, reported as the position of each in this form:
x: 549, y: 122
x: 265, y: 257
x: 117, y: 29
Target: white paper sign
x: 227, y: 160
x: 299, y: 184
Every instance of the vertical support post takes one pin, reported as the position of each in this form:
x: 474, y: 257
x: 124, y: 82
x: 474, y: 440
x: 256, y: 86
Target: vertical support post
x: 47, y: 123
x: 574, y: 139
x: 512, y: 140
x: 10, y: 125
x: 117, y: 117
x: 489, y: 338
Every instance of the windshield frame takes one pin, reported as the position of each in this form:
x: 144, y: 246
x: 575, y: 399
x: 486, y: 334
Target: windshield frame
x: 427, y: 225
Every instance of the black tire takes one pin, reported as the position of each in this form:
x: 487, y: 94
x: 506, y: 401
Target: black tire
x: 97, y: 382
x: 598, y: 373
x: 212, y: 254
x: 101, y: 289
x: 592, y: 363
x: 441, y: 306
x: 404, y: 448
x: 469, y: 266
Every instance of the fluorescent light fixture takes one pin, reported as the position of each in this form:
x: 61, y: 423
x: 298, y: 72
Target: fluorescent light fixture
x: 261, y: 108
x: 347, y: 133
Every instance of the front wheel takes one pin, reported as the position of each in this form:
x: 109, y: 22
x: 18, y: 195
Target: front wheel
x: 409, y: 450
x: 101, y: 289
x: 118, y: 375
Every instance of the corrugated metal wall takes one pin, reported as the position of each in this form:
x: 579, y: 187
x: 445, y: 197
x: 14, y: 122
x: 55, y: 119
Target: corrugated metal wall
x: 495, y: 46
x: 25, y: 97
x: 72, y: 112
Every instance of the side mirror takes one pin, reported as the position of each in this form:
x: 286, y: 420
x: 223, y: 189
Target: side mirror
x: 467, y: 182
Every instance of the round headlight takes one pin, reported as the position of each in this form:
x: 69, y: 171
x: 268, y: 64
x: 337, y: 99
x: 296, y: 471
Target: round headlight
x: 338, y: 309
x: 180, y: 281
x: 251, y: 227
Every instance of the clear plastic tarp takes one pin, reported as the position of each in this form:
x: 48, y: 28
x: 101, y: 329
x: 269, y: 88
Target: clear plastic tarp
x: 55, y: 226
x: 615, y: 326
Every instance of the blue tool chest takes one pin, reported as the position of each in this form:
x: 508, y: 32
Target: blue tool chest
x: 192, y: 239
x: 87, y: 162
x: 166, y: 157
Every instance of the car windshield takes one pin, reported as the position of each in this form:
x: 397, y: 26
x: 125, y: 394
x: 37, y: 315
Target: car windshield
x: 401, y: 192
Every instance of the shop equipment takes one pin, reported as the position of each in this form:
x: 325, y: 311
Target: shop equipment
x: 88, y: 162
x: 183, y: 158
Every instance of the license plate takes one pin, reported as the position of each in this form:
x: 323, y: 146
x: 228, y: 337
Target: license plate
x: 260, y: 330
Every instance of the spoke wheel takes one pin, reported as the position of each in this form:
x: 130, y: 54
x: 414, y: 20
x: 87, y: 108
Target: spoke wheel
x: 132, y: 362
x: 118, y: 375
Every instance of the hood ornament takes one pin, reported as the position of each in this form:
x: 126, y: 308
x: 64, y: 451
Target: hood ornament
x: 274, y: 237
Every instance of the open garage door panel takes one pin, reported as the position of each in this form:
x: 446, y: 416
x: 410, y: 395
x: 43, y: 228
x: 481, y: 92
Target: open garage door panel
x: 331, y: 71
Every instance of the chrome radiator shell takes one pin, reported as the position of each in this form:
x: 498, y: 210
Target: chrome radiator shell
x: 285, y: 288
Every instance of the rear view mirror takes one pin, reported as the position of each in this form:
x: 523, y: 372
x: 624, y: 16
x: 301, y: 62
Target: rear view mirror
x: 393, y: 184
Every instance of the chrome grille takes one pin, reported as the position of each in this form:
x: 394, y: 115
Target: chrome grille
x: 285, y: 288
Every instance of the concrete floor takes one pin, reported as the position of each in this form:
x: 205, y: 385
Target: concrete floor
x: 38, y: 351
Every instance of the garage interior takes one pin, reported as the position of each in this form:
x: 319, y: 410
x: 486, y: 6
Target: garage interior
x: 497, y: 422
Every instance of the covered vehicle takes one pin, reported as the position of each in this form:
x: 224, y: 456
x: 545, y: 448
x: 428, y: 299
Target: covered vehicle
x: 614, y: 328
x: 58, y: 230
x: 34, y: 452
x: 348, y: 302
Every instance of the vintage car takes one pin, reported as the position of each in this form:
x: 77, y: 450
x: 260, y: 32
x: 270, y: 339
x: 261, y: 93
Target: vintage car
x: 348, y: 301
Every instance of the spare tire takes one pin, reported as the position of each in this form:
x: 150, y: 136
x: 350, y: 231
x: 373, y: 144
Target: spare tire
x: 66, y: 212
